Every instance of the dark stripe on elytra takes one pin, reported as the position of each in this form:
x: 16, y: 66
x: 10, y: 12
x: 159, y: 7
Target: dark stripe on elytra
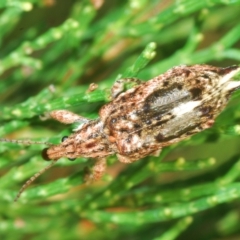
x: 148, y: 111
x: 161, y: 138
x: 159, y: 123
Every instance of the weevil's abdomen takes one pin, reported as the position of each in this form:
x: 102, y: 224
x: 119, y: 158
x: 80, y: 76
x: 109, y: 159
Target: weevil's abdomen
x: 175, y: 105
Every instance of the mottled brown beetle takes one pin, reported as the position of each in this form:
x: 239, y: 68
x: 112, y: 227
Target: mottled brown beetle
x: 142, y: 120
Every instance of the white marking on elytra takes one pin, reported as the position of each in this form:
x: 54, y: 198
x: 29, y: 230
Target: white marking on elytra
x: 228, y: 76
x: 134, y: 116
x: 139, y: 144
x: 232, y: 85
x: 185, y: 108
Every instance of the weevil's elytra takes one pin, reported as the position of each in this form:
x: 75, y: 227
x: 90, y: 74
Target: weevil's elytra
x: 151, y: 115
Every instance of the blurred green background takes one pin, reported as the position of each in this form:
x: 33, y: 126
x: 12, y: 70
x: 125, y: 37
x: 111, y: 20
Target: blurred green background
x: 50, y: 51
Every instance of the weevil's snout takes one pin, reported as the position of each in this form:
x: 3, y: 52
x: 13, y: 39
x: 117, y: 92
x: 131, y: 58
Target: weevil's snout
x: 45, y: 154
x: 51, y: 153
x: 58, y: 151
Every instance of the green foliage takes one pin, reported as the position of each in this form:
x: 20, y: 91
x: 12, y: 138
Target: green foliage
x: 50, y: 52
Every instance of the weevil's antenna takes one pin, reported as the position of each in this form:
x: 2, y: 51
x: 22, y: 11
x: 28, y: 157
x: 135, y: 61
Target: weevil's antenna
x: 36, y: 175
x: 33, y: 178
x: 24, y: 141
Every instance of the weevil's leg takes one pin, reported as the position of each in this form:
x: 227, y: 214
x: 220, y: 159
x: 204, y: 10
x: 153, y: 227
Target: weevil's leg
x: 92, y: 87
x: 125, y: 159
x: 97, y: 170
x: 120, y: 85
x: 67, y: 117
x: 156, y: 153
x: 129, y: 158
x: 52, y: 88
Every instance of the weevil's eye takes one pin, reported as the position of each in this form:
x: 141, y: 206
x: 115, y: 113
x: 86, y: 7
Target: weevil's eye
x: 45, y: 155
x: 64, y: 138
x: 71, y: 159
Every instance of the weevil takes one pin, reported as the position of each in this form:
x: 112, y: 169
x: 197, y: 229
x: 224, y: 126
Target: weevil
x: 142, y: 120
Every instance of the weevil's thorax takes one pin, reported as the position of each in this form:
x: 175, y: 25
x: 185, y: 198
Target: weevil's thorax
x: 175, y: 105
x: 88, y: 141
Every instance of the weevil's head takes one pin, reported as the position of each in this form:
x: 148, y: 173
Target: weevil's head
x: 56, y: 152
